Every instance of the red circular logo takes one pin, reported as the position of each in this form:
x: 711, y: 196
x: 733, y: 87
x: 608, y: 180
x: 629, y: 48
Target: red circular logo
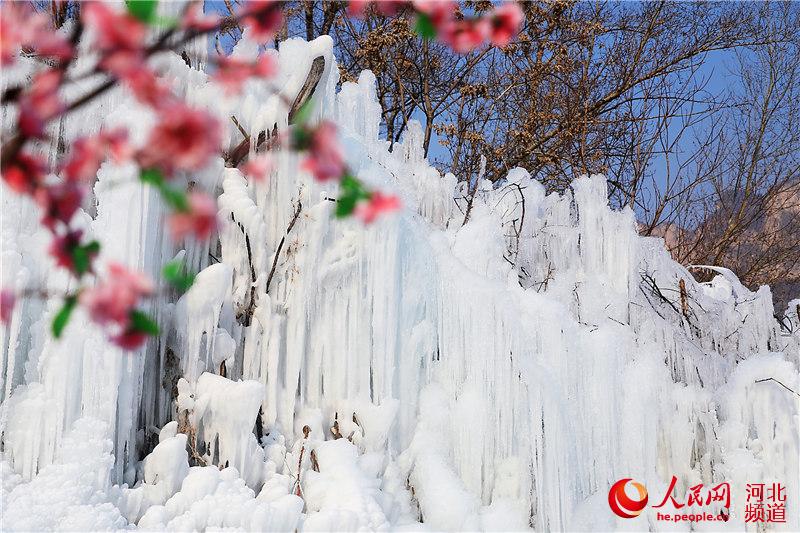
x: 621, y: 504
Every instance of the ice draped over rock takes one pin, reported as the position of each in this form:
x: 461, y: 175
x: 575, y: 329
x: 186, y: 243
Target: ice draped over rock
x: 500, y: 374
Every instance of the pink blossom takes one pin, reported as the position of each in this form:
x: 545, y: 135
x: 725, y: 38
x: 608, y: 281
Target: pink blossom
x: 357, y: 8
x: 63, y: 247
x: 185, y: 139
x: 195, y: 19
x: 200, y: 219
x: 464, y: 35
x: 114, y: 29
x: 324, y: 158
x: 59, y: 202
x: 258, y: 168
x: 233, y: 72
x: 505, y: 23
x: 40, y: 103
x: 129, y: 339
x: 147, y: 88
x: 441, y: 12
x: 25, y: 173
x: 12, y: 24
x: 88, y: 153
x: 124, y: 64
x: 377, y: 204
x: 263, y: 18
x: 117, y: 145
x: 119, y: 36
x: 21, y: 27
x: 7, y: 301
x: 387, y: 8
x: 50, y: 44
x: 111, y: 302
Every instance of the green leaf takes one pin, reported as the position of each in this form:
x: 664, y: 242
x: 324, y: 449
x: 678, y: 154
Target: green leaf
x: 141, y: 322
x: 81, y: 260
x: 424, y: 26
x: 301, y: 138
x: 165, y: 22
x: 144, y: 10
x: 184, y: 283
x: 303, y: 114
x: 152, y: 176
x: 172, y: 269
x: 82, y: 257
x: 345, y: 206
x: 92, y: 248
x: 352, y: 191
x: 62, y: 317
x: 174, y: 198
x: 174, y: 273
x: 352, y: 185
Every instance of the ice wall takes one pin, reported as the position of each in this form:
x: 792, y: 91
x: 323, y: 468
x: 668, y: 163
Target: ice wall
x: 499, y: 375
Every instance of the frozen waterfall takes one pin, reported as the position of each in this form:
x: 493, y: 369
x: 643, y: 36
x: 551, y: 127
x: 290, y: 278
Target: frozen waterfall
x: 500, y: 375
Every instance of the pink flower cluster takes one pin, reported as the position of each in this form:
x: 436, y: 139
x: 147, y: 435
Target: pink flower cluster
x: 63, y: 248
x: 195, y: 19
x: 498, y: 26
x: 40, y: 103
x: 183, y: 140
x: 118, y: 36
x: 111, y: 303
x: 200, y: 219
x: 387, y: 8
x: 120, y: 40
x: 377, y: 204
x: 24, y: 29
x: 59, y: 200
x: 7, y: 301
x: 88, y: 153
x: 232, y: 72
x: 258, y: 167
x: 325, y: 160
x: 263, y: 18
x: 463, y: 35
x: 24, y: 173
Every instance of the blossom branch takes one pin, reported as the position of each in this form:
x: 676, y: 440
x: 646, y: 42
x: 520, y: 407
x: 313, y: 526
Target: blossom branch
x: 184, y: 140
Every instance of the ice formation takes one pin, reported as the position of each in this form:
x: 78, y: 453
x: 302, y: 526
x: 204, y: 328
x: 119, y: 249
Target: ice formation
x: 415, y: 373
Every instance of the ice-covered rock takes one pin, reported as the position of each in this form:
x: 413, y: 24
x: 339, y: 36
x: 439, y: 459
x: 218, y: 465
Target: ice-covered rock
x: 497, y: 374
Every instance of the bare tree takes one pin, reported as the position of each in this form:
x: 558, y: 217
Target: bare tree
x: 629, y: 90
x: 749, y: 218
